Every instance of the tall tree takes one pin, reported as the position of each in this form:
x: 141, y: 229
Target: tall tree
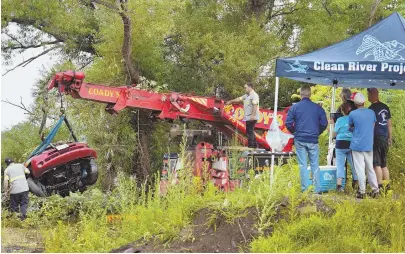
x: 193, y: 46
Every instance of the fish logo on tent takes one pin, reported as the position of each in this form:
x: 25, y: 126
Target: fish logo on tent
x: 381, y: 51
x: 298, y: 67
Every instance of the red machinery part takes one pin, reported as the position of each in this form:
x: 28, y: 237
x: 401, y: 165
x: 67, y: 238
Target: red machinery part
x: 53, y: 157
x: 168, y: 105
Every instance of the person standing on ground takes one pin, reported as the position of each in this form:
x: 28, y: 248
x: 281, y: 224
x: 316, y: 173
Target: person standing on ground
x: 382, y: 137
x: 343, y: 137
x: 307, y: 120
x: 362, y: 121
x: 251, y: 108
x: 18, y: 189
x: 345, y: 96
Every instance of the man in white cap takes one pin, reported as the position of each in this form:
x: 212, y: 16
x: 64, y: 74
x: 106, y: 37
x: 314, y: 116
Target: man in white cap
x: 362, y: 121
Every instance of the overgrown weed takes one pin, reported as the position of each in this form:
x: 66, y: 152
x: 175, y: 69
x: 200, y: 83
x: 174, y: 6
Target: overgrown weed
x: 99, y: 222
x: 356, y: 226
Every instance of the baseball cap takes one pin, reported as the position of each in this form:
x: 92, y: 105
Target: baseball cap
x: 352, y: 96
x: 359, y: 99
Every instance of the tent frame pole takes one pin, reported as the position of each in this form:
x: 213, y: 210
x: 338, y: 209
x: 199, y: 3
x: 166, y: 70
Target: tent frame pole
x: 274, y: 118
x: 332, y: 110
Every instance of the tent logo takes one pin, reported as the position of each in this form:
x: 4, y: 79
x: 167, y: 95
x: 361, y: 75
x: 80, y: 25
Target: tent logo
x: 328, y: 177
x: 298, y: 67
x: 381, y: 51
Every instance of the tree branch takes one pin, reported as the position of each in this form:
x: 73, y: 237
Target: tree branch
x: 13, y: 38
x: 29, y: 60
x: 270, y: 8
x: 374, y: 8
x: 126, y: 46
x: 85, y: 65
x: 32, y: 46
x: 325, y: 6
x: 291, y: 11
x: 85, y: 45
x: 22, y: 106
x: 108, y: 5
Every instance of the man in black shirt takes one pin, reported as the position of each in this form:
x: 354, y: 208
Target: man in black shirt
x: 382, y: 136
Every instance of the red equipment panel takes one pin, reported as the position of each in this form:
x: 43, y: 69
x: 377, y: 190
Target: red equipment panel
x: 53, y: 157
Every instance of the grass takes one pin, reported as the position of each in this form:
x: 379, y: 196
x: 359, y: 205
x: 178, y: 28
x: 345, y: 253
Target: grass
x: 20, y: 240
x: 365, y: 226
x: 79, y: 223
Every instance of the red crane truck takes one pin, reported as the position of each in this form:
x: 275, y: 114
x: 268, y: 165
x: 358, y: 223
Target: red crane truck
x: 209, y: 159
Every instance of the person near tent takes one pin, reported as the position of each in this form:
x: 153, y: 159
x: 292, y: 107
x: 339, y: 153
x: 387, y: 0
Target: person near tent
x: 343, y: 137
x: 382, y: 137
x: 18, y: 190
x: 362, y: 121
x: 345, y: 96
x: 251, y: 108
x: 307, y: 120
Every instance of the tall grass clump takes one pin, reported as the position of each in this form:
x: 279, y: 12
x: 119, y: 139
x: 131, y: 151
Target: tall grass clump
x: 366, y: 226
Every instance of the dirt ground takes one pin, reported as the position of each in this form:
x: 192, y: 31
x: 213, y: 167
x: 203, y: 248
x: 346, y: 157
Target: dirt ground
x: 208, y: 234
x: 19, y: 240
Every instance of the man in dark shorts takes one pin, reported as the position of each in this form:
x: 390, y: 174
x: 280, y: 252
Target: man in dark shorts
x: 382, y: 137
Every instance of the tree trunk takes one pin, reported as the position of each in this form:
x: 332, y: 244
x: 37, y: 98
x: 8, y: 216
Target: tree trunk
x: 127, y: 47
x: 374, y: 9
x: 142, y: 157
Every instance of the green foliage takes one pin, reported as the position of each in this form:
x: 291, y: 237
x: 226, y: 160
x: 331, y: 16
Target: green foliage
x: 19, y: 141
x: 367, y: 226
x: 396, y: 160
x: 71, y: 22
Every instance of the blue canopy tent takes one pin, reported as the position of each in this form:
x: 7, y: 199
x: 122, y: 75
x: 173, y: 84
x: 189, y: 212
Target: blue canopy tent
x: 372, y: 58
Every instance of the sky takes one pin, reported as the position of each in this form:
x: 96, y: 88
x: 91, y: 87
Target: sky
x: 20, y: 82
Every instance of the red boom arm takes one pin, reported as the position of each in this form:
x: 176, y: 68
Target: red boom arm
x: 167, y: 105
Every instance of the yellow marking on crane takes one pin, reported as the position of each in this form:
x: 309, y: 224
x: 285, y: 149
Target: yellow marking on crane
x: 200, y: 100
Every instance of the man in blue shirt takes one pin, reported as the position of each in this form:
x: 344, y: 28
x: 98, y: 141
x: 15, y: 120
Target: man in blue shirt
x: 307, y: 120
x: 362, y: 121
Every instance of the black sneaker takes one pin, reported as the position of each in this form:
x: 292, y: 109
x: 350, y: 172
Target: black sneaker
x: 374, y: 194
x: 360, y: 195
x: 340, y: 189
x: 355, y: 185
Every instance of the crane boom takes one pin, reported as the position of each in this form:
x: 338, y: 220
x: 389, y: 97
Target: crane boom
x: 170, y: 105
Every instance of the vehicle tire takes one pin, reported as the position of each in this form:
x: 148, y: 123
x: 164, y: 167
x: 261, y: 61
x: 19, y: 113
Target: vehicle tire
x: 92, y: 174
x: 35, y: 188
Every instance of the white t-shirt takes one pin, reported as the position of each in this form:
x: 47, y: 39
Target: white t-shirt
x: 249, y: 101
x: 15, y: 174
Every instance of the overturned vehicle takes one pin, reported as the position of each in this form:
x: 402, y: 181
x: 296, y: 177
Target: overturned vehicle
x: 61, y: 168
